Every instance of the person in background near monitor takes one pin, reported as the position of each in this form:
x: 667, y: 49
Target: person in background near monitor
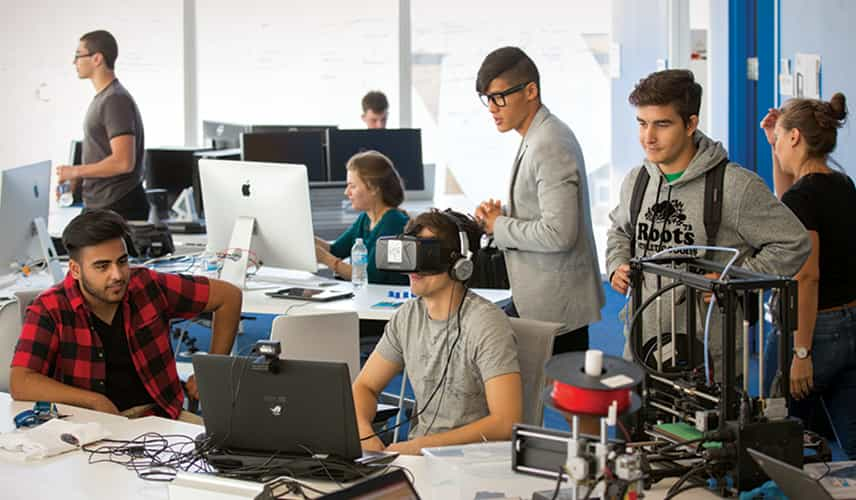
x: 101, y: 338
x: 375, y: 189
x: 113, y: 142
x: 802, y: 135
x: 545, y: 229
x: 375, y: 109
x: 459, y: 351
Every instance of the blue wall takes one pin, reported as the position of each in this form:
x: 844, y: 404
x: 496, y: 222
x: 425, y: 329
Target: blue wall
x: 641, y: 29
x: 825, y: 27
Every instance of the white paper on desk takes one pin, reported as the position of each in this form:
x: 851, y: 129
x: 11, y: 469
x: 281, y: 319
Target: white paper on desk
x: 45, y: 440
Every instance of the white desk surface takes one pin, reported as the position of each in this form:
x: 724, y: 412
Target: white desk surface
x: 256, y: 302
x: 71, y: 477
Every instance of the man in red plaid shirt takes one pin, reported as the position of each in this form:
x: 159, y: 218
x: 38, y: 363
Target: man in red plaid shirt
x: 100, y: 339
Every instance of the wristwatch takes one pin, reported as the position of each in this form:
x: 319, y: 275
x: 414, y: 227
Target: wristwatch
x: 802, y: 352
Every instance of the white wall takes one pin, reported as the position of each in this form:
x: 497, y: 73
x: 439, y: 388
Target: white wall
x: 44, y: 103
x: 290, y: 62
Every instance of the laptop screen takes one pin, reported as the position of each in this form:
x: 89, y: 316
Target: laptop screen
x: 393, y: 486
x: 305, y: 408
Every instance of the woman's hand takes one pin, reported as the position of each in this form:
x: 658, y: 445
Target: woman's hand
x: 322, y: 254
x: 768, y: 124
x: 802, y: 377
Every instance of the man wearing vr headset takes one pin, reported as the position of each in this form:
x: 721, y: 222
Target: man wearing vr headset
x: 458, y: 348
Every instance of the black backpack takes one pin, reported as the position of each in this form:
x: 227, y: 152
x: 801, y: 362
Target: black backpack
x: 713, y: 182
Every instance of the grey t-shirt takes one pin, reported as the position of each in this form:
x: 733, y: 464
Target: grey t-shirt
x: 112, y: 113
x: 486, y: 349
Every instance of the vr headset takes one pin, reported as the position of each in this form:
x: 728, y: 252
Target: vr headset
x: 407, y: 253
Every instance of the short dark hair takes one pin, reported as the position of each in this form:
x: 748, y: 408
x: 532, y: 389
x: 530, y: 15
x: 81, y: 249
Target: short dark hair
x: 672, y: 86
x: 442, y: 224
x: 375, y: 101
x: 512, y: 64
x: 377, y: 170
x: 102, y: 41
x: 818, y: 122
x: 93, y: 227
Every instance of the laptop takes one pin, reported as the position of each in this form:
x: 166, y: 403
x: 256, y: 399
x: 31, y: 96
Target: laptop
x: 393, y: 486
x: 793, y: 481
x: 302, y: 410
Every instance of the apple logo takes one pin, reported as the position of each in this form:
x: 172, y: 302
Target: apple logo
x: 245, y: 189
x: 36, y: 190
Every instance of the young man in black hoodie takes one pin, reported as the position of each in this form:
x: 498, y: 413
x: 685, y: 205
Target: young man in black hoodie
x: 768, y: 236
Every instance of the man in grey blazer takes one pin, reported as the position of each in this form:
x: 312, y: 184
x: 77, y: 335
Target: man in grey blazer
x: 545, y: 229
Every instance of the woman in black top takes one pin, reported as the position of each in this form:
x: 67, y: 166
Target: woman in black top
x: 823, y: 369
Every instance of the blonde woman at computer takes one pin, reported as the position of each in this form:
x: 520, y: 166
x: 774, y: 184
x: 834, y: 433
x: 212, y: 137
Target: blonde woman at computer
x: 375, y: 189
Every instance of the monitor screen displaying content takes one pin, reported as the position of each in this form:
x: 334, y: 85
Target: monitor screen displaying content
x: 302, y: 148
x: 402, y: 146
x: 274, y: 195
x: 24, y: 195
x: 219, y: 135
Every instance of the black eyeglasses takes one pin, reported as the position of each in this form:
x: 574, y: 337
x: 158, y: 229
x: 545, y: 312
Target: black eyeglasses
x: 78, y: 56
x: 498, y: 98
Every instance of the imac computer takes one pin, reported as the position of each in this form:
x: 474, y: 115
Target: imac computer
x: 301, y: 148
x: 220, y: 135
x: 24, y: 200
x: 402, y: 146
x: 263, y: 207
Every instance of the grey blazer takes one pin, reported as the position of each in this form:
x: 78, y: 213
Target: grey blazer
x: 546, y: 231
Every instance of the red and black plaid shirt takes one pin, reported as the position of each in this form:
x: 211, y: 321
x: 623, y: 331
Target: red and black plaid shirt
x: 59, y: 341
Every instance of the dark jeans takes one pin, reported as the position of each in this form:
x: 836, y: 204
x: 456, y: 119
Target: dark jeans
x: 834, y: 362
x: 575, y: 340
x: 132, y: 206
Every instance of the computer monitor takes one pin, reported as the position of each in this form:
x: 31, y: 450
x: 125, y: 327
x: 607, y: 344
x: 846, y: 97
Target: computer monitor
x: 75, y: 157
x: 172, y: 169
x: 262, y: 129
x: 301, y: 148
x: 263, y: 207
x: 24, y: 205
x: 402, y: 146
x: 220, y: 135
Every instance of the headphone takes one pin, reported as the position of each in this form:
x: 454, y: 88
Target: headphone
x: 460, y: 261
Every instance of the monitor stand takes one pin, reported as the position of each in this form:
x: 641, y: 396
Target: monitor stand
x: 235, y: 269
x: 52, y: 264
x: 184, y: 207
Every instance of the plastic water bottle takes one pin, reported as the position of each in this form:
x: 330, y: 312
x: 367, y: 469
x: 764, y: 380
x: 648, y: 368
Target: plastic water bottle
x: 66, y: 197
x: 359, y: 265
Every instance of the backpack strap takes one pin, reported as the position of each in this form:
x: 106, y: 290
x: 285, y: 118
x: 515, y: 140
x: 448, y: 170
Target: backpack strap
x: 713, y: 194
x: 639, y: 188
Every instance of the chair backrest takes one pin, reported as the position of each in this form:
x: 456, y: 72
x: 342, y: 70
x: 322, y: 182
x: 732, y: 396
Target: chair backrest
x: 534, y: 348
x: 333, y: 336
x: 11, y: 318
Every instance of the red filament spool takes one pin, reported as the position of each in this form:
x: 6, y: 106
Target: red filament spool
x: 591, y: 402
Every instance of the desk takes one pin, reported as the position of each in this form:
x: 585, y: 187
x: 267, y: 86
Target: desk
x: 256, y: 302
x: 71, y: 477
